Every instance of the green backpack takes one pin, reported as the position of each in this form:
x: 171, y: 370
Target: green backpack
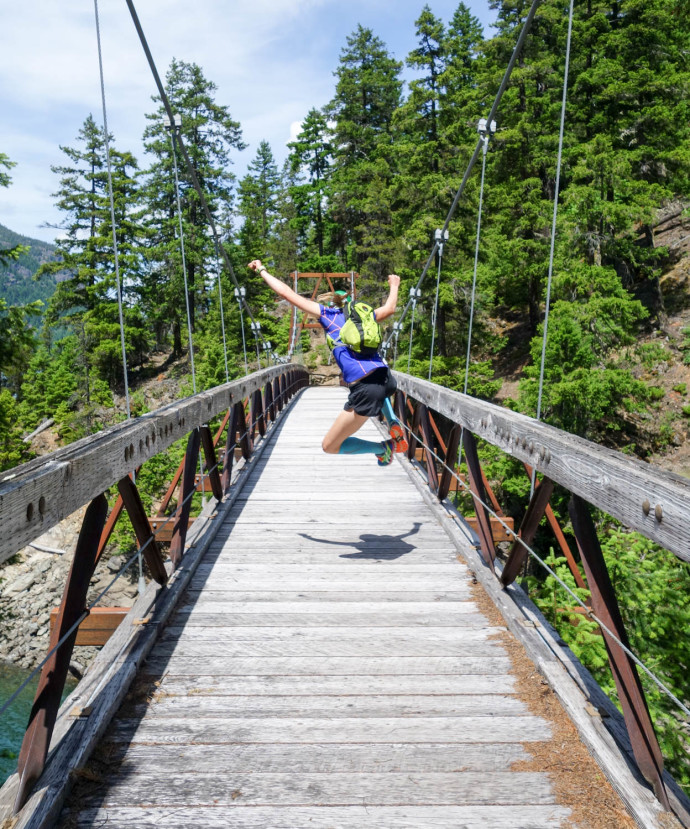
x: 360, y: 332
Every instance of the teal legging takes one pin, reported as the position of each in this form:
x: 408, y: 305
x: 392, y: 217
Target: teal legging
x: 357, y: 446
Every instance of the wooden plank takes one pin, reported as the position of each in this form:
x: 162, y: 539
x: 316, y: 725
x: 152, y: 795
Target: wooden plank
x: 109, y: 677
x: 208, y: 789
x: 571, y: 682
x: 38, y: 494
x: 498, y: 527
x: 616, y: 483
x: 201, y: 618
x: 98, y: 626
x: 302, y: 707
x: 327, y: 817
x: 226, y: 730
x: 271, y: 685
x: 211, y: 596
x: 331, y: 666
x: 318, y: 758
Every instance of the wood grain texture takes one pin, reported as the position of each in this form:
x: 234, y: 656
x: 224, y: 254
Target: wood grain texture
x: 54, y: 486
x: 611, y: 481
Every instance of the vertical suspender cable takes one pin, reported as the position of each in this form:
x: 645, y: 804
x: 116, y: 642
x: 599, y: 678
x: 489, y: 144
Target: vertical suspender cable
x: 415, y: 293
x: 553, y: 221
x: 239, y: 293
x: 112, y: 213
x: 222, y: 317
x: 142, y: 582
x: 439, y: 246
x: 485, y: 137
x: 184, y: 262
x: 526, y: 26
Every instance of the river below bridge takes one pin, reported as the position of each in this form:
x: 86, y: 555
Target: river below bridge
x: 13, y: 722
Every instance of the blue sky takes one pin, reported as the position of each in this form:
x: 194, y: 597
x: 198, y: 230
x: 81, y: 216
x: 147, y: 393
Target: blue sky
x: 272, y: 60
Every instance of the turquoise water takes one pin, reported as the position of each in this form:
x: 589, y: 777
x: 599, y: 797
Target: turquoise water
x: 14, y: 721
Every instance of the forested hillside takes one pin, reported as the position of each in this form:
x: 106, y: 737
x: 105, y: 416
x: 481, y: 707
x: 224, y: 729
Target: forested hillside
x: 17, y: 285
x: 367, y: 182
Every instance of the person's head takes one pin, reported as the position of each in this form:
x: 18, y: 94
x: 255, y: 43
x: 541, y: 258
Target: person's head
x: 337, y: 298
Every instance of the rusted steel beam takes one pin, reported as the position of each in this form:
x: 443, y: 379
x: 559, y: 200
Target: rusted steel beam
x: 528, y: 529
x: 427, y: 433
x: 562, y: 543
x: 44, y: 712
x: 211, y: 462
x: 164, y: 504
x: 142, y: 529
x: 269, y: 403
x: 245, y: 438
x: 230, y: 444
x: 221, y: 428
x: 185, y: 505
x: 474, y: 471
x: 258, y: 417
x: 399, y: 407
x: 413, y: 439
x: 630, y: 692
x: 451, y: 453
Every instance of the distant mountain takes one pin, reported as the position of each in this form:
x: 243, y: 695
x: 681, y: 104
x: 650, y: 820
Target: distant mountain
x: 17, y: 285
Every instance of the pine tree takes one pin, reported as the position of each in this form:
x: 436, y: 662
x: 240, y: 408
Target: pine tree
x: 258, y: 192
x: 310, y: 156
x: 210, y: 134
x: 367, y: 93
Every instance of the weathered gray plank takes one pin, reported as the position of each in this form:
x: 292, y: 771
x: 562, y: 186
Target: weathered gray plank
x: 313, y: 758
x: 343, y: 817
x: 178, y: 730
x: 193, y: 618
x: 292, y: 707
x: 330, y: 666
x: 270, y: 684
x: 411, y: 788
x: 208, y: 596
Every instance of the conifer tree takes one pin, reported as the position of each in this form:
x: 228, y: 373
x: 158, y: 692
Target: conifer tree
x: 367, y: 93
x: 209, y: 134
x: 310, y: 157
x: 258, y: 193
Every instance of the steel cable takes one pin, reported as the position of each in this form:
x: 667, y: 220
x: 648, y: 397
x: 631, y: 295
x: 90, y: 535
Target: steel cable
x: 127, y: 565
x: 590, y: 613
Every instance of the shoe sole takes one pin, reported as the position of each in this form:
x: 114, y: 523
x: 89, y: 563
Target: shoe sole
x: 398, y: 436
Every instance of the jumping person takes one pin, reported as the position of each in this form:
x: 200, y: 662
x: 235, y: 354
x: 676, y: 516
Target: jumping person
x: 369, y: 378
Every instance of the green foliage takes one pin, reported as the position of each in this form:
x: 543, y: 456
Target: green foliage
x: 653, y: 591
x: 13, y: 450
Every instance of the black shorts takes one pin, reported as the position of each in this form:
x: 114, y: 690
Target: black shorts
x: 367, y: 395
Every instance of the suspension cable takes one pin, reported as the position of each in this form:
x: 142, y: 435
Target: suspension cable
x: 440, y: 239
x: 112, y: 212
x: 590, y: 613
x: 180, y: 143
x: 184, y: 261
x: 475, y: 155
x: 415, y: 294
x: 222, y: 317
x: 128, y: 564
x: 483, y: 127
x: 552, y: 247
x: 239, y: 296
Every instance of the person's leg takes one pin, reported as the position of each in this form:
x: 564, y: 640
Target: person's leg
x: 395, y: 427
x: 338, y: 440
x: 388, y: 413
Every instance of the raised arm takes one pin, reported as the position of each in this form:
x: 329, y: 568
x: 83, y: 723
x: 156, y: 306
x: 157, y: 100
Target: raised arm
x: 284, y: 291
x: 388, y: 308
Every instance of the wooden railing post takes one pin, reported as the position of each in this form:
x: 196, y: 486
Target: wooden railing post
x: 450, y: 457
x: 44, y: 712
x: 425, y: 424
x: 245, y: 438
x: 258, y: 413
x: 230, y: 444
x: 270, y: 405
x: 630, y: 692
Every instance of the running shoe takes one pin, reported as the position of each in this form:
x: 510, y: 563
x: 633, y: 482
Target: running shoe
x: 398, y: 435
x: 386, y: 457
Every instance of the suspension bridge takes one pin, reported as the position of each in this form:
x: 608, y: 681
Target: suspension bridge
x: 312, y: 653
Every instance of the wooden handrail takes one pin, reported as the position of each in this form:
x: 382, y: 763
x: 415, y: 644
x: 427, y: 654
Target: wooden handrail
x: 38, y: 494
x: 650, y: 500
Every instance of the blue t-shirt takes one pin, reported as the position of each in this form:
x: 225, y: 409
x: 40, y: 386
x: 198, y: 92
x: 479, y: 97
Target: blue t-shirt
x: 353, y: 366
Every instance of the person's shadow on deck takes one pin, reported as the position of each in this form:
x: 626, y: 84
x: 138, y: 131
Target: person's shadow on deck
x: 382, y: 547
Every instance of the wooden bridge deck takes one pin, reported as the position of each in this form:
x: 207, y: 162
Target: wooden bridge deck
x: 328, y: 667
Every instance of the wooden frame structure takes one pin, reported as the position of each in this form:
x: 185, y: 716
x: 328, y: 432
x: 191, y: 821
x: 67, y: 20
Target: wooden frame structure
x: 331, y: 280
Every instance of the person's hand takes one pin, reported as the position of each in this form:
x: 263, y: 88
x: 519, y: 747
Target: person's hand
x: 255, y: 265
x: 393, y: 280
